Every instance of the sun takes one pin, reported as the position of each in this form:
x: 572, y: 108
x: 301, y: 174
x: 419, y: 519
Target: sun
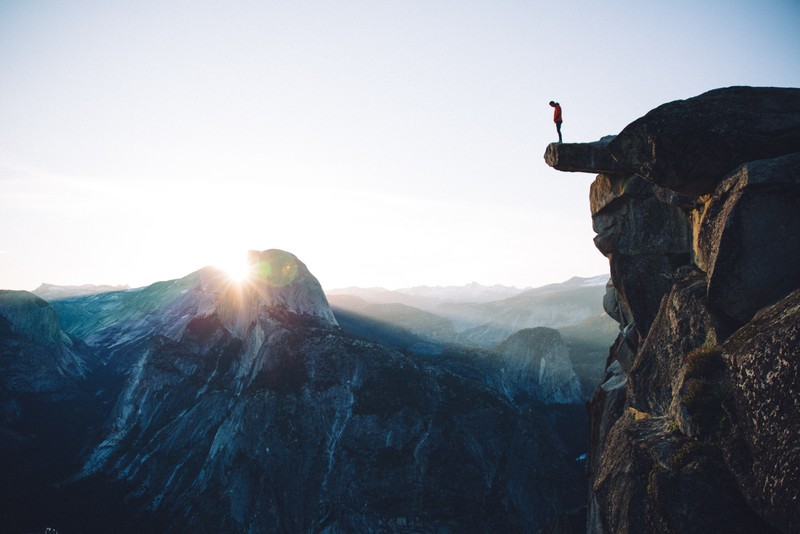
x: 236, y: 267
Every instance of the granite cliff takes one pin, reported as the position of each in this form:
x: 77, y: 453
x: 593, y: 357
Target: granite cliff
x: 695, y: 426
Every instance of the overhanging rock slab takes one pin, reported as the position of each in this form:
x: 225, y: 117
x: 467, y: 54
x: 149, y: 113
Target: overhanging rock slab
x: 583, y: 157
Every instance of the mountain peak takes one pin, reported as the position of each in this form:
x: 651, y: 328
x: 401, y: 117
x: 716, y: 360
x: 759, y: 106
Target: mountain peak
x: 280, y: 279
x: 276, y: 279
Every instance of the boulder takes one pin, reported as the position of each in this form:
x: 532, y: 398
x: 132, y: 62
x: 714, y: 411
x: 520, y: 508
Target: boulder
x: 690, y: 145
x: 748, y: 240
x: 582, y: 157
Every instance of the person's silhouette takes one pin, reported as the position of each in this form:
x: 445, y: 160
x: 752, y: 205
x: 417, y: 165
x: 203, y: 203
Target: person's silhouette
x: 557, y: 117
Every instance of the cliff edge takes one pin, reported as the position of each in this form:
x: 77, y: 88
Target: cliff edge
x: 694, y: 427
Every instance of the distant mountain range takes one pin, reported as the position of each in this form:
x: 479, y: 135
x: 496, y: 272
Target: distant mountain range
x: 426, y: 296
x: 482, y: 315
x: 426, y: 319
x: 55, y: 292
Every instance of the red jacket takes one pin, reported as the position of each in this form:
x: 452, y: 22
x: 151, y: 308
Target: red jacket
x: 557, y: 113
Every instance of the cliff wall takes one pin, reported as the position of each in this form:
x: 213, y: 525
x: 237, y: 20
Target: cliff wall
x: 695, y: 426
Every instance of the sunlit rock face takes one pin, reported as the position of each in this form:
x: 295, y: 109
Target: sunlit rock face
x: 691, y: 426
x: 280, y: 279
x: 116, y: 320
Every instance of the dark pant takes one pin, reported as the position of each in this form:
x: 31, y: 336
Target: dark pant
x: 558, y: 129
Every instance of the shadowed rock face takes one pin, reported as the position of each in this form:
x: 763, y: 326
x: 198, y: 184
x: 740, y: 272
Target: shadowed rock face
x: 694, y: 426
x: 690, y: 145
x: 45, y: 415
x: 311, y: 430
x: 536, y: 365
x: 748, y: 239
x: 763, y: 362
x: 630, y: 218
x: 37, y: 356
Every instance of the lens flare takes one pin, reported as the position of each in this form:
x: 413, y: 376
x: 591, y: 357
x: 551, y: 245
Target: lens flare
x: 279, y: 269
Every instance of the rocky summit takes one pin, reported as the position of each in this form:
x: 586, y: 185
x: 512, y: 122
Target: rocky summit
x: 205, y: 405
x: 694, y: 427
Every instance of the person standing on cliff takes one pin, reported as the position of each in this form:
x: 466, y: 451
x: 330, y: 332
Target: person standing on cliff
x: 557, y: 117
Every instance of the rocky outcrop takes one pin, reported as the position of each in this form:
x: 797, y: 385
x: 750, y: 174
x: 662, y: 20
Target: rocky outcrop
x: 535, y: 364
x: 40, y: 365
x: 582, y: 157
x: 690, y: 145
x: 36, y: 355
x: 278, y: 278
x: 693, y: 427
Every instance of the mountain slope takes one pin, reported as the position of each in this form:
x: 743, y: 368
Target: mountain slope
x: 314, y: 430
x: 485, y: 322
x: 575, y: 305
x: 247, y: 408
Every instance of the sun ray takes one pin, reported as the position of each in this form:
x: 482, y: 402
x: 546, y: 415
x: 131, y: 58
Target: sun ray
x: 236, y: 267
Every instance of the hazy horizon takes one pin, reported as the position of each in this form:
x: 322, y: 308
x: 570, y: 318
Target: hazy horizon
x: 326, y: 289
x: 382, y: 143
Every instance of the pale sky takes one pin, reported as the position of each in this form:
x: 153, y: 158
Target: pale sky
x: 385, y: 143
